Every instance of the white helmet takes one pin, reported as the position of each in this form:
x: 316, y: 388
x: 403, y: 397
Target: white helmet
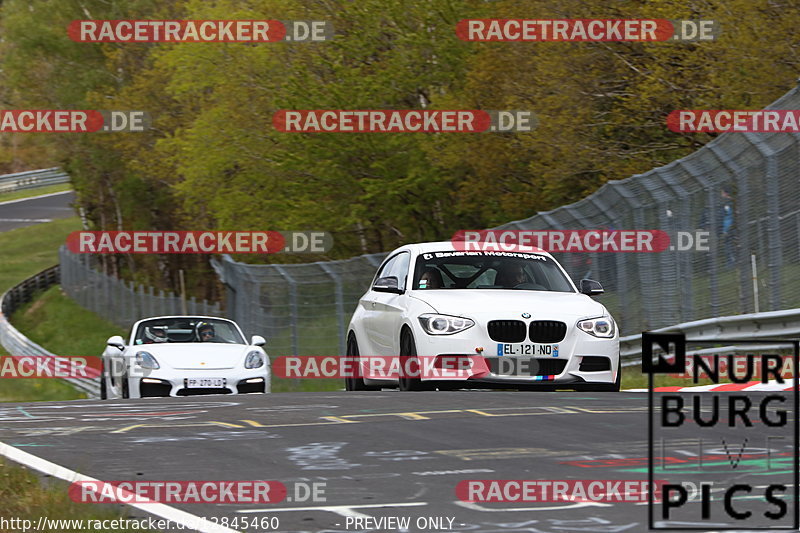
x: 156, y: 333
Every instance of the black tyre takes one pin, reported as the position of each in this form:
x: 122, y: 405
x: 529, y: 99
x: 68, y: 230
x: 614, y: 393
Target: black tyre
x: 409, y: 364
x: 618, y: 381
x: 126, y: 393
x: 103, y: 386
x: 353, y: 383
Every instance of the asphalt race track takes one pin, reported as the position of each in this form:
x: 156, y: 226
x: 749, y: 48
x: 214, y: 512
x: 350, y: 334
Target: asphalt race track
x: 27, y: 212
x: 386, y: 454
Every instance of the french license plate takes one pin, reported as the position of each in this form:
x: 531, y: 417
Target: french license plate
x: 205, y: 383
x: 534, y: 350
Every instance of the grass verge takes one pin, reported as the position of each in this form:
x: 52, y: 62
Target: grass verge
x: 28, y: 193
x: 633, y: 378
x: 26, y: 251
x: 56, y: 322
x: 23, y: 497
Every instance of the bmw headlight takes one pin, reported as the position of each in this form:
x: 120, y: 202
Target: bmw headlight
x: 444, y: 324
x: 254, y: 360
x: 146, y: 360
x: 602, y: 327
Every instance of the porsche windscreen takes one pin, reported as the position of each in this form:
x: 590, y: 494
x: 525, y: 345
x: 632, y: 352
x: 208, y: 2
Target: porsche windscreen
x: 183, y: 329
x: 489, y: 270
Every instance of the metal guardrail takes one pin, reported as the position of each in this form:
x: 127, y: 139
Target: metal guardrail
x: 768, y: 325
x: 32, y: 179
x: 18, y: 344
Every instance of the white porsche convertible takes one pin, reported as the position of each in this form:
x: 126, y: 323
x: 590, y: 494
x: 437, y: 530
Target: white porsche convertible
x: 517, y: 316
x: 184, y: 356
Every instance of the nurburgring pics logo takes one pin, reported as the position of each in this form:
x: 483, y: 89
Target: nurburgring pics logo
x: 755, y: 481
x: 725, y: 120
x: 592, y: 30
x: 199, y: 31
x: 403, y: 121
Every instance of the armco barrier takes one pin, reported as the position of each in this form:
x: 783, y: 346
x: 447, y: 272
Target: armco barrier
x: 32, y: 179
x: 769, y: 325
x: 18, y: 344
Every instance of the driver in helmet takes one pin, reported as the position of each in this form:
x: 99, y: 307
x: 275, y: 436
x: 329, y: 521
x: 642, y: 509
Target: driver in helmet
x: 155, y: 334
x: 511, y: 275
x: 205, y: 332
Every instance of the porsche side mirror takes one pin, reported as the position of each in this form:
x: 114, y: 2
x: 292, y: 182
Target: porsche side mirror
x: 591, y: 287
x: 258, y: 340
x: 117, y: 342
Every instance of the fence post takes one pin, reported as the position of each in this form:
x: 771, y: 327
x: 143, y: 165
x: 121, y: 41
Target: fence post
x: 292, y: 284
x: 339, y: 305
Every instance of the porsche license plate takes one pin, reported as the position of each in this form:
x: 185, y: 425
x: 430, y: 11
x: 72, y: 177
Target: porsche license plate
x: 205, y: 383
x: 534, y: 350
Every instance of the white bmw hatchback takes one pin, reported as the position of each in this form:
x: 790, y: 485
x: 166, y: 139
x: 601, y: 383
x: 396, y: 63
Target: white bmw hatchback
x: 518, y: 313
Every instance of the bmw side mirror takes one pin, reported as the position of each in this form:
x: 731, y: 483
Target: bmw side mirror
x: 117, y: 342
x: 591, y: 287
x: 387, y: 284
x: 258, y: 340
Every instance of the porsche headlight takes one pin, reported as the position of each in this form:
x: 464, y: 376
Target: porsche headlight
x: 444, y: 324
x: 602, y: 327
x: 146, y: 360
x: 254, y: 360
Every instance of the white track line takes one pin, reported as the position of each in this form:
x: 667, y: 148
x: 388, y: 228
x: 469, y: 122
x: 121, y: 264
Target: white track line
x: 34, y: 197
x: 342, y: 510
x: 188, y: 520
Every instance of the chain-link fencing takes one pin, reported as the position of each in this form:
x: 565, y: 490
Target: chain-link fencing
x: 741, y: 188
x: 118, y: 301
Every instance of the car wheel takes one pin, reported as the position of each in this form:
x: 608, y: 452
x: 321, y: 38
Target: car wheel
x: 353, y: 383
x: 409, y: 364
x: 103, y: 385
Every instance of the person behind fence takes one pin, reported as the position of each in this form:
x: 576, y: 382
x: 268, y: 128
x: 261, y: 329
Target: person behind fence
x: 724, y: 220
x: 205, y: 332
x: 727, y: 228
